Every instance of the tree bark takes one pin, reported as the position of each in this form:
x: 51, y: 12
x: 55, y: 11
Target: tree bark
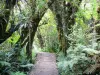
x: 32, y: 32
x: 36, y: 17
x: 4, y: 18
x: 65, y: 17
x: 39, y: 36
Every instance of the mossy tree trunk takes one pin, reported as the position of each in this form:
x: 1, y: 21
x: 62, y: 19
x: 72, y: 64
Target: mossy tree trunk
x: 39, y: 36
x: 36, y: 17
x: 4, y: 19
x: 65, y: 17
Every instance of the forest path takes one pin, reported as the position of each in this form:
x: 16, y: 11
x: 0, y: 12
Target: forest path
x: 45, y: 64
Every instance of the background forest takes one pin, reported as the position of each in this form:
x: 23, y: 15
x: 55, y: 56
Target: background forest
x: 68, y: 28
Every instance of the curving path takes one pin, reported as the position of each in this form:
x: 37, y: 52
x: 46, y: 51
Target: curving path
x: 45, y: 64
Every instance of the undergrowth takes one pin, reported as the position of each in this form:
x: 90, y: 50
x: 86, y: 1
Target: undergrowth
x: 79, y: 55
x: 10, y: 65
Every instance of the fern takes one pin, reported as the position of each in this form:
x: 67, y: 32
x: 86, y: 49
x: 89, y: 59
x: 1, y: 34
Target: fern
x: 4, y: 63
x: 17, y: 73
x: 78, y: 55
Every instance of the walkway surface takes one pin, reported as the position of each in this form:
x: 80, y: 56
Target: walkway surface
x: 45, y: 64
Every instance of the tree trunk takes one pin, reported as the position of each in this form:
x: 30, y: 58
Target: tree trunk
x: 65, y: 20
x: 9, y: 5
x: 32, y: 31
x: 39, y: 36
x: 36, y: 17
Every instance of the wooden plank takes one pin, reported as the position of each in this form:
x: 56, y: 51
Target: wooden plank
x: 45, y: 64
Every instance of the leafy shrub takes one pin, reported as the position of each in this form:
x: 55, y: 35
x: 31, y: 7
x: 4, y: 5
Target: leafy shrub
x: 79, y: 54
x: 17, y: 73
x: 10, y: 66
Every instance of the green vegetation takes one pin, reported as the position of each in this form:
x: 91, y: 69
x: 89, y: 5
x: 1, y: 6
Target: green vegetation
x: 68, y: 28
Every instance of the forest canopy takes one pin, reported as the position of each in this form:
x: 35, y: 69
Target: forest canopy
x: 68, y: 28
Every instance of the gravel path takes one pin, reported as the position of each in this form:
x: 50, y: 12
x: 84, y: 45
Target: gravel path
x: 45, y: 64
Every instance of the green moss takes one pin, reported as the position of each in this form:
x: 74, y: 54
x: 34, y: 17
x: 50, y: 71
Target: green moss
x: 4, y: 12
x: 97, y: 26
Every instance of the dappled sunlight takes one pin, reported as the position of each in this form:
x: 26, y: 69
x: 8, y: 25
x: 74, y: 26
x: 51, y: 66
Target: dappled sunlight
x: 36, y: 49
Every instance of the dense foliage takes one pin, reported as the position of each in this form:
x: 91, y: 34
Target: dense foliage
x: 69, y: 28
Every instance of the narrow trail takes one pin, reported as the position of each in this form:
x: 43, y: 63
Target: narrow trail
x: 45, y: 64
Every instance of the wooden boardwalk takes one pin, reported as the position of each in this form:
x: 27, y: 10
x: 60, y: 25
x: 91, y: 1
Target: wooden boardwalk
x: 45, y: 64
